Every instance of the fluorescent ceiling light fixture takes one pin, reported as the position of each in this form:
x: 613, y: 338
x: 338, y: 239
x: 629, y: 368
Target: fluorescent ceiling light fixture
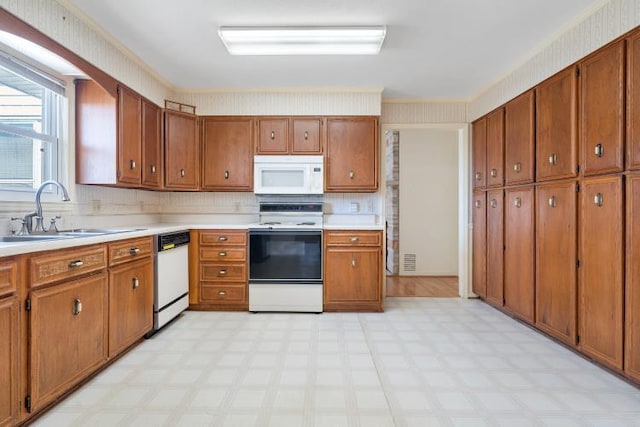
x: 303, y: 40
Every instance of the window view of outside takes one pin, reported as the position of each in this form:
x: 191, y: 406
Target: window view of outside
x: 29, y: 127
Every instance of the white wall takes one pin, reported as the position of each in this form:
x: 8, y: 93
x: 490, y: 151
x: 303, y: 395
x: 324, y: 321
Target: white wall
x: 429, y: 201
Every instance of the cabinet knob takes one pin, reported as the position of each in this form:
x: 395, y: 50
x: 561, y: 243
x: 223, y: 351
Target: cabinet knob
x: 553, y: 159
x: 552, y: 201
x: 222, y: 293
x: 494, y: 173
x: 478, y: 204
x: 273, y: 135
x: 354, y: 239
x: 306, y: 135
x: 182, y: 173
x: 517, y: 202
x: 223, y: 238
x: 222, y: 272
x: 598, y: 199
x: 132, y: 164
x: 517, y: 167
x: 599, y: 150
x: 353, y: 262
x: 77, y: 306
x: 135, y: 283
x: 226, y: 174
x: 134, y: 251
x: 75, y: 264
x: 153, y: 169
x: 352, y: 174
x: 494, y: 203
x: 478, y: 176
x: 222, y: 254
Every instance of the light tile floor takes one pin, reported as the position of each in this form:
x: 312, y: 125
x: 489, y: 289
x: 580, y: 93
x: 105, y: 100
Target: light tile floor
x: 424, y: 362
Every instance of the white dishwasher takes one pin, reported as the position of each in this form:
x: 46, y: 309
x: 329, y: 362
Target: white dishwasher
x: 172, y: 277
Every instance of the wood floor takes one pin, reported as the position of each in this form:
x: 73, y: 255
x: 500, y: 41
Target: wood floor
x: 422, y: 286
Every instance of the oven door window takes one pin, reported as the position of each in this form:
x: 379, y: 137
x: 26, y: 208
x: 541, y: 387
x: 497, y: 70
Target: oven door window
x: 285, y: 256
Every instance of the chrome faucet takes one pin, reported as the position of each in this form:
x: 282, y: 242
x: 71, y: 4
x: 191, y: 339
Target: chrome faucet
x: 38, y: 213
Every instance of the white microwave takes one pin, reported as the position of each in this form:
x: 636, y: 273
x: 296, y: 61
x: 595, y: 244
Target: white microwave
x: 288, y: 174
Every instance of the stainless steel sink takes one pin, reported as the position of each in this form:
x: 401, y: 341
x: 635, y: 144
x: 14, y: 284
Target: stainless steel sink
x: 97, y: 231
x: 33, y: 238
x: 66, y: 234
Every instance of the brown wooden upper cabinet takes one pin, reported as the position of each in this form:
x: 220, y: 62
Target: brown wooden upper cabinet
x: 152, y: 147
x: 633, y: 101
x: 495, y: 148
x: 227, y: 153
x: 182, y: 170
x: 557, y: 126
x: 351, y: 156
x: 479, y: 135
x: 480, y: 243
x: 519, y: 135
x: 601, y: 309
x: 602, y: 95
x: 289, y: 135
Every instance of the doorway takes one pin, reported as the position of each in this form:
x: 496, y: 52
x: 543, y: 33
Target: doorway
x: 425, y: 210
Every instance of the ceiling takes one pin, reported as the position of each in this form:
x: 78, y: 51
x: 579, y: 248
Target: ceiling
x: 435, y: 49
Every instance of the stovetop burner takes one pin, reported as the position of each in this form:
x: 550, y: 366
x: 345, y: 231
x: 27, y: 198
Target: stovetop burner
x: 291, y: 215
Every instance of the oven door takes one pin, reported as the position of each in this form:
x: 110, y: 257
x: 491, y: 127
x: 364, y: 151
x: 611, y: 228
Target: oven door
x: 285, y: 256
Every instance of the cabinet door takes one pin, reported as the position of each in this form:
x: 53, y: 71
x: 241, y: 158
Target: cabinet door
x: 557, y: 126
x: 129, y: 136
x: 351, y: 159
x: 273, y: 135
x: 130, y: 303
x: 68, y: 336
x: 152, y: 164
x: 495, y: 247
x: 306, y: 135
x: 556, y: 256
x: 601, y: 262
x: 480, y: 244
x: 352, y: 277
x: 181, y: 145
x: 519, y: 252
x: 632, y: 290
x: 633, y: 101
x: 602, y: 110
x: 495, y: 148
x: 479, y: 131
x: 9, y: 353
x: 227, y: 156
x: 519, y: 136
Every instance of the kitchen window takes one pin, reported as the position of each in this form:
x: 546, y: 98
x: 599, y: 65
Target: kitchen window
x: 31, y: 110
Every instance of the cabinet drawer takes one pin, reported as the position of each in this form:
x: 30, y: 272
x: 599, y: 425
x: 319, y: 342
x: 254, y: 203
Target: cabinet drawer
x: 8, y: 277
x: 65, y: 264
x: 223, y: 293
x: 222, y: 272
x: 223, y: 254
x: 223, y: 237
x: 353, y: 238
x: 129, y: 250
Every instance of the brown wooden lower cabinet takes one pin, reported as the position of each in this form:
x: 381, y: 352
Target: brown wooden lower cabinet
x: 601, y: 255
x: 556, y: 257
x: 495, y: 247
x: 632, y: 290
x: 519, y: 242
x: 479, y: 272
x: 9, y: 353
x: 68, y: 336
x: 352, y: 271
x: 130, y: 303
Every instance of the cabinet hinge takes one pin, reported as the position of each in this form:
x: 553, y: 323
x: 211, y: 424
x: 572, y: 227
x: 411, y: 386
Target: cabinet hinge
x: 577, y: 263
x: 577, y: 188
x: 578, y: 71
x: 27, y: 304
x: 504, y: 248
x: 578, y: 169
x: 27, y: 403
x: 578, y: 339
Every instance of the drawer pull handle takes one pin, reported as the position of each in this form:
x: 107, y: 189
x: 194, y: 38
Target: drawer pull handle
x: 352, y: 174
x: 222, y: 293
x: 77, y: 307
x: 517, y: 202
x: 135, y: 283
x: 598, y: 199
x: 306, y: 135
x: 77, y: 263
x: 226, y: 174
x: 478, y: 204
x: 223, y: 238
x: 153, y: 169
x: 494, y: 203
x: 494, y: 173
x: 478, y: 176
x: 273, y: 135
x: 353, y: 262
x: 134, y: 251
x: 182, y: 173
x: 517, y: 167
x: 599, y: 150
x: 354, y: 239
x: 132, y: 164
x: 552, y: 201
x: 222, y: 254
x: 222, y: 272
x: 553, y: 159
